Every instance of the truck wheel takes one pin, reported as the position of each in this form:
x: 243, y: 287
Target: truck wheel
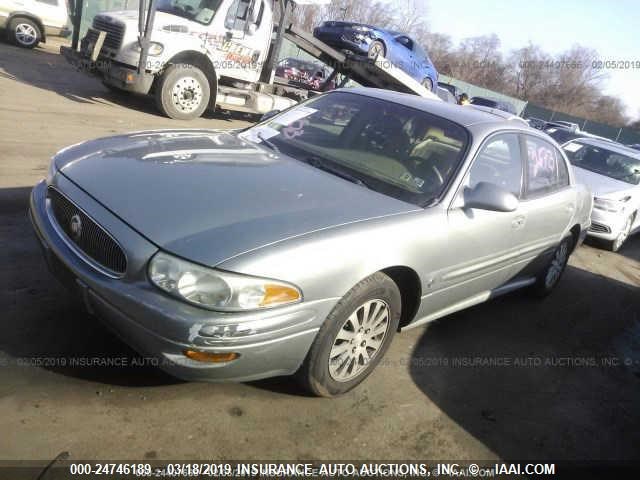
x: 24, y: 32
x: 353, y: 338
x: 182, y: 92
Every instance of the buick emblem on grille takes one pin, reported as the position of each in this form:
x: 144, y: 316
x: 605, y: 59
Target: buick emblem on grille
x: 75, y: 225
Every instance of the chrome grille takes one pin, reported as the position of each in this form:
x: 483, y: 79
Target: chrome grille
x: 89, y: 237
x: 114, y: 29
x: 599, y: 228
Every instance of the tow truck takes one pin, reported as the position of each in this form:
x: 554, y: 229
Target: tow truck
x: 194, y: 55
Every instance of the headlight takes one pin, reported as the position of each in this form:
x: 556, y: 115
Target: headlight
x: 609, y: 205
x: 155, y: 48
x: 218, y: 290
x: 360, y: 28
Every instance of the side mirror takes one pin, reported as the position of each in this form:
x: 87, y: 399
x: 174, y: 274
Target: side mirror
x: 488, y: 196
x: 269, y: 114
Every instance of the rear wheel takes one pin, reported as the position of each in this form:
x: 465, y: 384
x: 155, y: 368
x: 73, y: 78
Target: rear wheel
x: 616, y: 244
x: 182, y: 92
x: 24, y: 32
x: 550, y: 276
x: 376, y: 49
x: 353, y: 338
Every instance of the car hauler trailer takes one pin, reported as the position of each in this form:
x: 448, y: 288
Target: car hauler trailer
x: 193, y: 56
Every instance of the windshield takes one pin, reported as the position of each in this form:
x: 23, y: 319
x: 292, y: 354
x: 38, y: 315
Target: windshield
x: 399, y: 151
x: 201, y: 11
x: 605, y: 162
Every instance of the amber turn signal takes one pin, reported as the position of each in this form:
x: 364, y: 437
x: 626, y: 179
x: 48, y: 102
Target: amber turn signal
x: 278, y: 294
x: 210, y: 357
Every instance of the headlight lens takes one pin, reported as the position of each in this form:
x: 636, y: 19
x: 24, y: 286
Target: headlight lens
x: 155, y: 48
x: 218, y: 290
x: 610, y: 205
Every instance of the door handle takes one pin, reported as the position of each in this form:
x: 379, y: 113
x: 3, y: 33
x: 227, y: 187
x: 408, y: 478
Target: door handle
x: 518, y: 222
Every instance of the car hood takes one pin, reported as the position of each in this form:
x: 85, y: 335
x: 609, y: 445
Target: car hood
x: 208, y: 196
x: 601, y: 185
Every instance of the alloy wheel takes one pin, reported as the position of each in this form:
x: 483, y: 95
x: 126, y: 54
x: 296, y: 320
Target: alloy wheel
x: 26, y: 34
x: 557, y: 264
x: 623, y: 235
x: 359, y: 340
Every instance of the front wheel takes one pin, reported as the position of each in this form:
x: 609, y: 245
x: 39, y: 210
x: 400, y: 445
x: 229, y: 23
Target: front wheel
x: 550, y: 276
x: 428, y: 84
x: 182, y: 92
x: 353, y: 338
x: 376, y: 49
x: 24, y: 32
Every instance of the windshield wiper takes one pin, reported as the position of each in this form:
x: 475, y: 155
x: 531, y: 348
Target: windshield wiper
x: 268, y: 143
x: 322, y: 164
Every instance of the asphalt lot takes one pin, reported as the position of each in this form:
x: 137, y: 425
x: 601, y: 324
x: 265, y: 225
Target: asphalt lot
x: 570, y: 388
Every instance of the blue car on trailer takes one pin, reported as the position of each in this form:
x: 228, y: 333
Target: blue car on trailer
x: 398, y: 48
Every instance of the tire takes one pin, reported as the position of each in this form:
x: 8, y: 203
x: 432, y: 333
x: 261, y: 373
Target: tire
x: 550, y: 276
x: 376, y: 48
x: 346, y: 330
x: 428, y: 84
x: 615, y: 245
x: 182, y: 92
x: 24, y: 32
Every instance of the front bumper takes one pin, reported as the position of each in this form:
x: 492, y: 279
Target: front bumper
x: 345, y: 40
x: 607, y: 225
x: 161, y: 327
x: 122, y: 76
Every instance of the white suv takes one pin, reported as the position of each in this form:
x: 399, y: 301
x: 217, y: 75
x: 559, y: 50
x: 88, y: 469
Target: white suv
x: 29, y: 22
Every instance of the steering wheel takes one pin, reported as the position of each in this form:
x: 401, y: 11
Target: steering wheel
x: 431, y: 175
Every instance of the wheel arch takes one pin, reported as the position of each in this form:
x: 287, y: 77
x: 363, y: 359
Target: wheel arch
x: 29, y: 16
x: 408, y: 282
x: 203, y: 62
x: 575, y: 233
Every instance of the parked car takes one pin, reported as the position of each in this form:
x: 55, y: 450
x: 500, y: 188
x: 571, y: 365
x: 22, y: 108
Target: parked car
x: 574, y: 127
x: 304, y: 73
x: 29, y: 22
x: 562, y: 134
x: 612, y: 172
x: 398, y: 48
x: 302, y: 244
x: 445, y: 95
x: 494, y: 103
x: 537, y: 123
x: 455, y: 91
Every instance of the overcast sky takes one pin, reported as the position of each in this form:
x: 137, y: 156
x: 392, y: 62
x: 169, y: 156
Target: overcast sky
x: 611, y: 27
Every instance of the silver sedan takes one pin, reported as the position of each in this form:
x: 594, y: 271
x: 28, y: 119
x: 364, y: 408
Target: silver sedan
x: 302, y: 244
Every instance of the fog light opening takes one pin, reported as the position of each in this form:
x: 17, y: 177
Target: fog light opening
x: 211, y: 357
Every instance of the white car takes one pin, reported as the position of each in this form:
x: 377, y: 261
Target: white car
x: 612, y: 172
x: 29, y: 22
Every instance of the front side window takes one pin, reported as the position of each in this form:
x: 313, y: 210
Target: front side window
x: 499, y: 162
x: 394, y: 149
x: 201, y: 11
x: 546, y: 169
x: 237, y: 15
x: 603, y: 161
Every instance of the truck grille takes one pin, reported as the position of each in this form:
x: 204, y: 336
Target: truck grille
x: 86, y: 234
x: 114, y: 29
x: 599, y: 228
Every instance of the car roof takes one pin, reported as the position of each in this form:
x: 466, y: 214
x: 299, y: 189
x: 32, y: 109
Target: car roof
x: 609, y: 145
x: 464, y: 115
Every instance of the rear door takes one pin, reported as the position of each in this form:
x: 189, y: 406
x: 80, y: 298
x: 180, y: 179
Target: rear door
x: 547, y: 205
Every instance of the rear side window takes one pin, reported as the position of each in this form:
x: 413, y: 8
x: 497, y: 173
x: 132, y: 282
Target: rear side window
x: 499, y: 162
x: 546, y: 169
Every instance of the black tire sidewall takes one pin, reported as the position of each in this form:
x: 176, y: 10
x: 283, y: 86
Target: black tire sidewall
x: 12, y: 32
x: 169, y: 77
x: 315, y: 371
